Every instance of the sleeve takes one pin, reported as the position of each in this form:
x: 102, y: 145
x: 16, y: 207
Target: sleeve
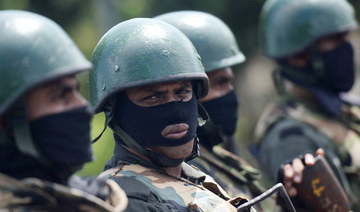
x: 287, y: 140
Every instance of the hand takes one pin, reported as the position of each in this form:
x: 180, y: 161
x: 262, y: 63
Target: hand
x: 293, y: 172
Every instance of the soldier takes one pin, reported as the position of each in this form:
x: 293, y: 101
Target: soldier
x: 45, y: 122
x: 308, y: 39
x: 147, y: 78
x: 219, y: 50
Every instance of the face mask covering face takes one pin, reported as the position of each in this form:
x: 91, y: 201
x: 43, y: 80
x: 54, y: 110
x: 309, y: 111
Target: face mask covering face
x: 145, y: 124
x: 223, y: 112
x: 64, y: 137
x: 339, y: 67
x: 339, y: 71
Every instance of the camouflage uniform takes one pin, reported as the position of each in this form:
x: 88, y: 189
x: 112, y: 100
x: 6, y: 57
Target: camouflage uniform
x: 149, y: 188
x: 33, y: 194
x: 292, y: 127
x: 231, y: 172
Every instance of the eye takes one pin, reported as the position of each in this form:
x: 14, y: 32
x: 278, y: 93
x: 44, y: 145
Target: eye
x: 151, y: 97
x: 65, y: 92
x: 223, y: 82
x: 184, y: 91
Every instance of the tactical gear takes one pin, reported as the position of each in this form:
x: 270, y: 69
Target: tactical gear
x: 34, y: 50
x: 289, y: 27
x: 141, y: 52
x: 211, y: 37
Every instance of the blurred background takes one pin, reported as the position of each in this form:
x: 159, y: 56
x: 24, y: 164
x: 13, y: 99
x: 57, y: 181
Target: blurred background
x: 86, y: 21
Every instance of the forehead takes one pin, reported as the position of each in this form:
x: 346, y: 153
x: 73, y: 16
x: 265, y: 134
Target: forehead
x: 224, y: 72
x: 68, y: 80
x: 55, y: 85
x: 161, y: 86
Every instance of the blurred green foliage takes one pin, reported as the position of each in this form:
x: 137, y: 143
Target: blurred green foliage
x: 87, y: 20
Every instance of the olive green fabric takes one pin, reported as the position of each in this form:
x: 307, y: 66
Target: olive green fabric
x: 290, y: 128
x: 34, y: 50
x: 211, y: 37
x: 141, y: 52
x: 34, y: 195
x: 287, y: 27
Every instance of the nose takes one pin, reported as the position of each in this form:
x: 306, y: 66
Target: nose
x: 78, y: 100
x: 172, y: 98
x: 230, y: 87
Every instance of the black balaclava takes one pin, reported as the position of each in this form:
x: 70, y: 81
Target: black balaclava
x: 338, y: 76
x: 64, y: 137
x: 63, y: 140
x: 144, y: 124
x: 223, y: 114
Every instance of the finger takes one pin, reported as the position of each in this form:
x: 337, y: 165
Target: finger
x: 321, y: 152
x: 292, y: 192
x: 309, y: 159
x: 298, y: 168
x: 288, y: 172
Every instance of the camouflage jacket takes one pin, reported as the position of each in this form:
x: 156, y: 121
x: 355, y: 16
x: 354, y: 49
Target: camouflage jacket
x: 233, y: 174
x: 35, y: 195
x: 149, y: 188
x: 290, y: 128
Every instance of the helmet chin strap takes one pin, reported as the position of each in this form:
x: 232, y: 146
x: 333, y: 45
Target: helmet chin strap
x: 22, y: 134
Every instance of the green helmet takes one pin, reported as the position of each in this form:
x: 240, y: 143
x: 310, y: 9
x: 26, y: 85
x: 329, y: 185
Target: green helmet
x: 141, y: 52
x: 211, y: 37
x: 34, y: 50
x: 287, y: 27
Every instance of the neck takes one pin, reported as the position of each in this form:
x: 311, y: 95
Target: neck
x: 173, y: 171
x: 136, y: 153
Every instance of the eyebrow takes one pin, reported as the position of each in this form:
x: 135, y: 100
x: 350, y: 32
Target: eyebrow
x: 59, y: 85
x: 156, y: 87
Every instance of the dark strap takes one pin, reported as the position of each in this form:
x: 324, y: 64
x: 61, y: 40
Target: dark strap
x: 130, y: 142
x: 109, y: 114
x: 107, y: 122
x: 22, y: 134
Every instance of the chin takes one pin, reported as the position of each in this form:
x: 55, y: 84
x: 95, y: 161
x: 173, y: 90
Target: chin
x: 184, y: 150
